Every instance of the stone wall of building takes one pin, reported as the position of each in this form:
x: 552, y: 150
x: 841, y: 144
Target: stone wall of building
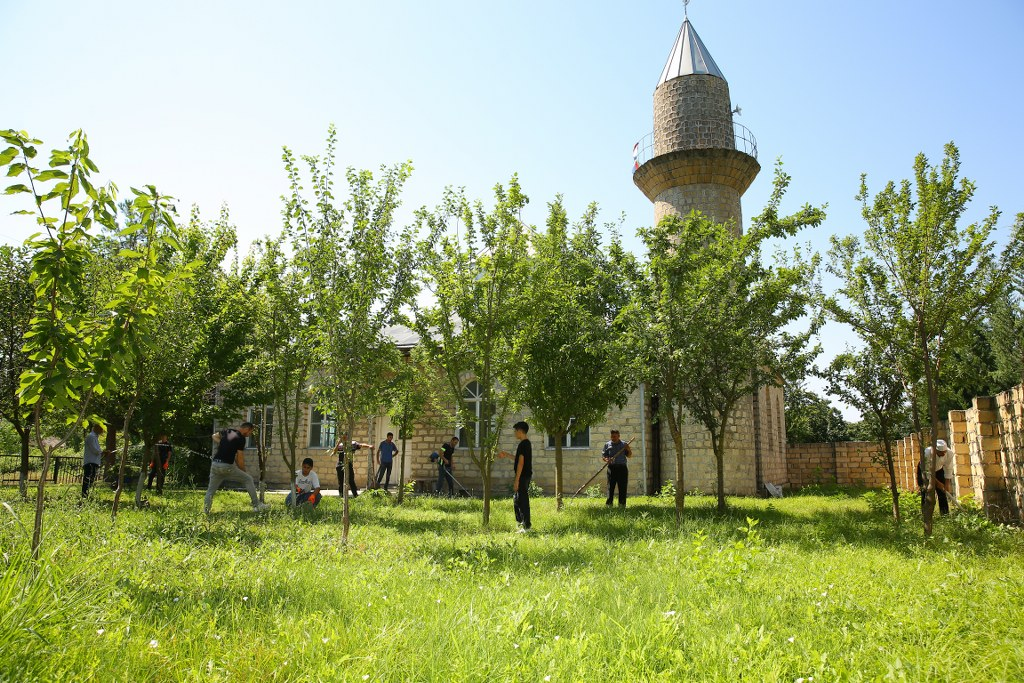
x: 719, y: 202
x: 771, y: 435
x: 700, y: 470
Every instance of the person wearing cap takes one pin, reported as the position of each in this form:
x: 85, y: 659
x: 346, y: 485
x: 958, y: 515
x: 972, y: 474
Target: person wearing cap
x: 615, y: 453
x: 92, y: 457
x: 942, y: 459
x: 229, y: 465
x: 345, y: 455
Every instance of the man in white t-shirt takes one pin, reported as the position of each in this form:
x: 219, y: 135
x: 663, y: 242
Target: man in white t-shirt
x: 307, y: 486
x: 939, y: 481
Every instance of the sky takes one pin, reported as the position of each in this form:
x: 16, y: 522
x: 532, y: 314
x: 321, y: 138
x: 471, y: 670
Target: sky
x: 198, y: 98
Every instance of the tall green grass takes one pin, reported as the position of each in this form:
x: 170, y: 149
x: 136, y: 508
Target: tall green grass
x: 774, y: 590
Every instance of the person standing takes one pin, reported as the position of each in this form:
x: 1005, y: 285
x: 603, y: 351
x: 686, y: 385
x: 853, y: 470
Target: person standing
x: 523, y: 467
x: 346, y: 456
x: 444, y: 466
x: 939, y: 481
x: 158, y: 467
x: 91, y: 458
x: 229, y: 465
x: 616, y: 453
x: 386, y: 452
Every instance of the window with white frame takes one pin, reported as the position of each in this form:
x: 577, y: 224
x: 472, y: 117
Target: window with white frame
x: 469, y: 434
x: 264, y: 422
x: 321, y: 429
x: 579, y: 440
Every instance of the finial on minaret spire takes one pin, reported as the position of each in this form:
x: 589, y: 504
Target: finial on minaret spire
x: 685, y: 4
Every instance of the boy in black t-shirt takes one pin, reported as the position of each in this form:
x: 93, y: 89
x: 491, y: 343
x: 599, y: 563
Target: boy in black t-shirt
x: 158, y: 467
x: 523, y: 467
x: 229, y: 465
x: 346, y: 451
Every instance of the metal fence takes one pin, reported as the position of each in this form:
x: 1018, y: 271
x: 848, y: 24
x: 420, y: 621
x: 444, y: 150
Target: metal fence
x: 62, y: 469
x: 744, y: 140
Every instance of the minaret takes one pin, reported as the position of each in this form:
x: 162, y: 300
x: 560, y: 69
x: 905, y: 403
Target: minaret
x: 696, y: 158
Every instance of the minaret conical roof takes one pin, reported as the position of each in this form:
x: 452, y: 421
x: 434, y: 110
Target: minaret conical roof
x: 689, y: 56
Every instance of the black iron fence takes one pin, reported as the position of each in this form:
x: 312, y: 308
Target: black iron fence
x: 62, y: 469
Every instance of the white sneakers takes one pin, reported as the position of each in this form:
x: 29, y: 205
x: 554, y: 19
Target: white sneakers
x: 260, y: 507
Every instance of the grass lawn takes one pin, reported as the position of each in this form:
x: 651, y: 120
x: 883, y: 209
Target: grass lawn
x: 819, y: 586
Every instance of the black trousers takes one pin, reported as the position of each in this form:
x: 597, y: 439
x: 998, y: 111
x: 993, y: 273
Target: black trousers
x: 351, y: 478
x: 156, y: 469
x: 382, y: 471
x: 444, y: 474
x: 521, y: 502
x: 618, y: 475
x: 88, y: 477
x: 940, y: 495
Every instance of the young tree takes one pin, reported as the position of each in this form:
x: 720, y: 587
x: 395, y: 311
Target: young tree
x: 474, y: 269
x: 415, y: 393
x: 16, y: 297
x: 74, y: 352
x: 281, y: 343
x: 573, y: 370
x: 865, y: 380
x: 919, y: 281
x: 1006, y: 335
x: 358, y: 270
x: 713, y: 321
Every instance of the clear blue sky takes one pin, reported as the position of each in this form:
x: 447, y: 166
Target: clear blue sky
x: 199, y: 97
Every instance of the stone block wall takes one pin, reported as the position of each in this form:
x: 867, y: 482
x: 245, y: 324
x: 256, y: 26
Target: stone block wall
x: 850, y: 463
x: 719, y: 202
x: 692, y: 112
x: 987, y: 443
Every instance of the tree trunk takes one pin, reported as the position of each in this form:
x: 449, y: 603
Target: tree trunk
x: 486, y: 471
x: 928, y: 463
x: 147, y: 460
x: 558, y: 470
x: 677, y: 441
x: 401, y: 465
x: 345, y: 519
x: 37, y: 527
x: 718, y: 445
x: 124, y: 460
x: 25, y: 436
x: 893, y: 488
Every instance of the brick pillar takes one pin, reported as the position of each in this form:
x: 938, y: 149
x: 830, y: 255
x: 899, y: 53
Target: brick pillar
x: 986, y: 469
x: 961, y: 474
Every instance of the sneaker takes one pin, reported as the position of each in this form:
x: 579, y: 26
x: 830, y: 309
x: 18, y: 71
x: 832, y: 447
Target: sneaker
x: 260, y: 507
x: 520, y: 530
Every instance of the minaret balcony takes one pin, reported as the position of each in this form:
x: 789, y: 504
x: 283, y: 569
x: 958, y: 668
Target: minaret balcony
x: 743, y: 140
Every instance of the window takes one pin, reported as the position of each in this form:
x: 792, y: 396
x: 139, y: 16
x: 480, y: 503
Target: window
x: 266, y: 426
x: 321, y: 429
x: 469, y: 435
x: 579, y: 440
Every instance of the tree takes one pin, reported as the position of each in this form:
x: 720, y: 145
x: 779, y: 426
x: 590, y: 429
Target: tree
x: 573, y: 370
x: 358, y: 270
x: 474, y: 264
x: 415, y: 392
x: 74, y: 352
x: 865, y: 380
x: 144, y: 285
x: 711, y: 327
x: 1006, y: 336
x: 281, y: 344
x: 16, y: 299
x: 810, y: 418
x: 920, y: 281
